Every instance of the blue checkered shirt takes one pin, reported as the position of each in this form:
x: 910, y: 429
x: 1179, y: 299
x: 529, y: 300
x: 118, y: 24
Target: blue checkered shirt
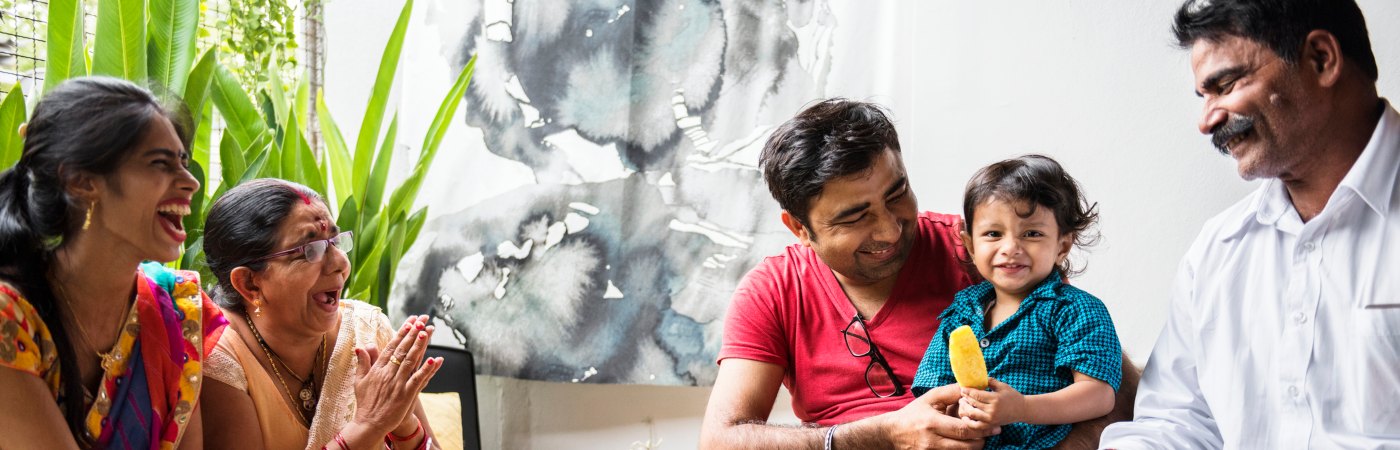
x: 1058, y: 330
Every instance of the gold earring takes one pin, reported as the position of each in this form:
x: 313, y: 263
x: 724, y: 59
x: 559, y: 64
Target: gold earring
x: 257, y: 308
x: 87, y: 221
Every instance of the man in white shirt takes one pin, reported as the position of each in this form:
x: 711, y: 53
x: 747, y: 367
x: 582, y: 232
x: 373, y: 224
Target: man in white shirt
x: 1284, y: 326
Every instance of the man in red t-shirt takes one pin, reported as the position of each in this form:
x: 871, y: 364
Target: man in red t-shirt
x: 842, y: 318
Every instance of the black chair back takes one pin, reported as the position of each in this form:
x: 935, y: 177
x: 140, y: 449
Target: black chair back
x: 458, y: 374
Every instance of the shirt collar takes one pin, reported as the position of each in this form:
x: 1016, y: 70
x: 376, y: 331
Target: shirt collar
x: 1372, y: 178
x: 1272, y: 203
x: 1049, y: 289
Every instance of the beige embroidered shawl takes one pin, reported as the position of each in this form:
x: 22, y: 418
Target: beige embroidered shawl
x: 234, y: 364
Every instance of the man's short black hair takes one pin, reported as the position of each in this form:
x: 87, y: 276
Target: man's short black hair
x: 1280, y: 25
x: 826, y: 141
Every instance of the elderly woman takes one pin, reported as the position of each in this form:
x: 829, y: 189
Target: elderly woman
x: 299, y: 367
x: 96, y: 351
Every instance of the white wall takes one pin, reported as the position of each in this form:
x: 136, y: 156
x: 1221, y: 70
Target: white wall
x: 1099, y: 85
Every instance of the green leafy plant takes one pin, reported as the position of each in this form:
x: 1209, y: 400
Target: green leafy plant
x: 264, y: 132
x: 269, y: 141
x: 256, y: 39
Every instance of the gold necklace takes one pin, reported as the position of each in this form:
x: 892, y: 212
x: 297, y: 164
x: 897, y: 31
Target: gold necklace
x: 112, y: 358
x: 308, y: 385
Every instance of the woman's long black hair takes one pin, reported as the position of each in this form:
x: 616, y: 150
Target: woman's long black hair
x: 85, y: 125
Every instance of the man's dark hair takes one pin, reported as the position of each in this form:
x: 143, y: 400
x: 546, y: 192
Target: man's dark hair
x: 1280, y: 25
x: 826, y: 141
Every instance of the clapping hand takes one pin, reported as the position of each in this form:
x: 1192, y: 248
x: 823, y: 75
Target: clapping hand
x: 387, y: 382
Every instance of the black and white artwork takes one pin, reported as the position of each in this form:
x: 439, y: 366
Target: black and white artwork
x: 619, y: 141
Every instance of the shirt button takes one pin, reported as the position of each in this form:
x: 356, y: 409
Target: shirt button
x: 985, y: 343
x: 1293, y: 391
x: 1308, y: 247
x: 1300, y: 318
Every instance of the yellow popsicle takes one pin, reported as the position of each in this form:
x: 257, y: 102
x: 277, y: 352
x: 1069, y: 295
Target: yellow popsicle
x: 966, y: 355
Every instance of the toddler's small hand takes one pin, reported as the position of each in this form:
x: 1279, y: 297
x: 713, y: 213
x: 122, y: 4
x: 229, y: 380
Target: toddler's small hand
x: 1001, y: 405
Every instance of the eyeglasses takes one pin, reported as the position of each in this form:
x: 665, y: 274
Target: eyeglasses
x: 883, y: 383
x: 314, y: 250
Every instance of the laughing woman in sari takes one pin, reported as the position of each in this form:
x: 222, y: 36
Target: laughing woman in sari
x: 97, y: 350
x: 297, y: 367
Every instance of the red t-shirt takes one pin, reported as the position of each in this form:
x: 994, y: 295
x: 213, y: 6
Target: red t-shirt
x: 790, y: 310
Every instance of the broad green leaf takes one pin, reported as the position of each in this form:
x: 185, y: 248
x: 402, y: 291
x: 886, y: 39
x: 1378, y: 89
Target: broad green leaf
x: 273, y: 153
x: 194, y: 254
x: 403, y: 195
x: 12, y: 114
x: 407, y: 193
x: 339, y: 154
x: 378, y: 99
x: 194, y: 223
x: 67, y: 56
x: 241, y: 118
x: 303, y: 105
x: 390, y: 262
x: 196, y: 90
x: 172, y: 29
x: 203, y: 136
x: 357, y: 294
x: 311, y: 174
x: 415, y: 226
x: 368, y: 272
x: 255, y: 168
x: 291, y: 153
x: 368, y: 231
x: 277, y: 97
x: 119, y: 48
x: 269, y: 115
x: 349, y: 219
x: 363, y: 265
x: 367, y: 236
x: 446, y: 111
x: 231, y: 157
x: 379, y: 177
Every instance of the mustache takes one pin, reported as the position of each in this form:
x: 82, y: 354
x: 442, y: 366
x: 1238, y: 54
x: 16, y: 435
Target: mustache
x: 1233, y: 127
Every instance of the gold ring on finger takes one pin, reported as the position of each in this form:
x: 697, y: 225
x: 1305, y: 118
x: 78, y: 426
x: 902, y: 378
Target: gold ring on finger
x: 395, y: 360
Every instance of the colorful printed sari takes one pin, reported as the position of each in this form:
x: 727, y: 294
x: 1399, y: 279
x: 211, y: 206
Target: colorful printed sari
x: 151, y: 383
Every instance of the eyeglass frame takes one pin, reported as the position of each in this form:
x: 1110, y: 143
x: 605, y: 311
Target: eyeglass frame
x: 330, y: 242
x: 874, y: 354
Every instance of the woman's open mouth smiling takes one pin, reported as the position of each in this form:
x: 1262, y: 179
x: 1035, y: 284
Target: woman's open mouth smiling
x: 328, y: 300
x: 171, y: 214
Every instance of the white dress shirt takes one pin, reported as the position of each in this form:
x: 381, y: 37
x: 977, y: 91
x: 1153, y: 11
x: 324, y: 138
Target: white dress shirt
x: 1283, y: 334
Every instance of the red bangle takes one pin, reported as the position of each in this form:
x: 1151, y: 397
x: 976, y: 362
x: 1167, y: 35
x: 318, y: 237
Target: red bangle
x: 424, y: 444
x: 340, y: 440
x: 396, y: 437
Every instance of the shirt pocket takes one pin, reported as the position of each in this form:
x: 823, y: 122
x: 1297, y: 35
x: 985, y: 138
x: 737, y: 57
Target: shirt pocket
x: 1374, y: 375
x: 1377, y: 317
x: 1375, y: 268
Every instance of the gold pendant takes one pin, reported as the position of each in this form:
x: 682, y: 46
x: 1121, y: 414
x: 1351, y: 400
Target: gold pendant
x: 110, y: 361
x: 306, y: 398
